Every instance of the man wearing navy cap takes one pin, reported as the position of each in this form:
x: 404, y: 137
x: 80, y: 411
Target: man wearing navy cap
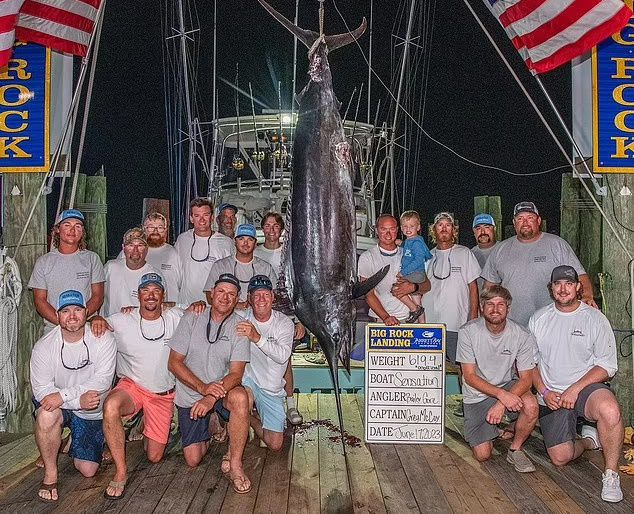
x: 227, y: 219
x: 67, y: 265
x: 71, y: 372
x: 484, y: 233
x: 208, y: 358
x: 244, y: 265
x: 271, y: 335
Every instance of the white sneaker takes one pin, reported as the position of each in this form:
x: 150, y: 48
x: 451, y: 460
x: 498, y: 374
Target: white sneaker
x: 611, y: 491
x: 590, y: 433
x: 294, y: 416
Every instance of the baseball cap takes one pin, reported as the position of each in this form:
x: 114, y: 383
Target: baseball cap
x: 525, y: 207
x: 564, y: 273
x: 70, y: 214
x: 259, y: 282
x: 224, y: 206
x: 228, y: 278
x: 246, y: 229
x: 151, y: 278
x: 445, y: 216
x: 134, y: 234
x: 483, y: 219
x: 70, y: 297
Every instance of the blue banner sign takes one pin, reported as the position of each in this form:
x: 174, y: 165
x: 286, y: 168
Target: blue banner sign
x: 24, y: 110
x: 428, y: 337
x: 613, y: 103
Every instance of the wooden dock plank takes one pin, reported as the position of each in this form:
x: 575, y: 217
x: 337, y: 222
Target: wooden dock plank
x: 276, y: 477
x: 182, y: 488
x: 304, y: 487
x: 364, y: 484
x: 397, y: 494
x: 213, y: 487
x: 334, y: 488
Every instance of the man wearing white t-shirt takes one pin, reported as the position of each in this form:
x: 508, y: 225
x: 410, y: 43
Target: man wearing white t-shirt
x: 576, y: 355
x: 382, y: 300
x: 271, y: 336
x: 67, y: 266
x: 198, y: 249
x: 123, y: 275
x: 162, y: 256
x: 145, y: 383
x: 71, y: 371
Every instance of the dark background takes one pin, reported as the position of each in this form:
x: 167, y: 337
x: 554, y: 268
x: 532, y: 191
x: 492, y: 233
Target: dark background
x: 472, y: 103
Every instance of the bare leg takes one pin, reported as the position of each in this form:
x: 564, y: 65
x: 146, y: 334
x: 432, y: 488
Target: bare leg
x: 603, y: 408
x: 526, y: 420
x: 117, y: 405
x: 482, y: 451
x: 562, y: 454
x: 237, y: 402
x: 87, y: 468
x: 154, y: 450
x: 289, y: 387
x: 195, y: 452
x: 48, y: 436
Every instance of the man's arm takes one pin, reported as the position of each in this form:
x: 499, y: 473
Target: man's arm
x: 595, y: 375
x: 375, y: 304
x: 473, y: 300
x: 176, y: 364
x: 96, y: 298
x: 588, y: 293
x: 234, y: 377
x: 510, y: 400
x: 551, y: 398
x: 44, y: 309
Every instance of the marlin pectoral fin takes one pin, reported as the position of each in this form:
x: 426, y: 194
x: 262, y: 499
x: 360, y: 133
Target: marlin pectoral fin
x: 360, y: 289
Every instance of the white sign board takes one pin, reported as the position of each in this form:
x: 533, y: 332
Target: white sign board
x: 405, y: 384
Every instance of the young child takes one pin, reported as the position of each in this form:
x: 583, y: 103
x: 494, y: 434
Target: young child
x: 415, y: 254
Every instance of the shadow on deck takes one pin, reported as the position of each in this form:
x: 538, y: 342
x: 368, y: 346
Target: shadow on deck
x: 310, y: 475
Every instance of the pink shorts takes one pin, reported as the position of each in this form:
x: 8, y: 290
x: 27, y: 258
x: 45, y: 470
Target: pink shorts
x: 157, y: 409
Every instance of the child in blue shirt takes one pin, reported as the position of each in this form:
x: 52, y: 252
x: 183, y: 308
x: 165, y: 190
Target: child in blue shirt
x: 415, y: 254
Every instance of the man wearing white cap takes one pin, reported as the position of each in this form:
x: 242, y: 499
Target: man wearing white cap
x: 67, y: 266
x: 71, y: 372
x: 198, y: 248
x: 522, y: 264
x: 244, y: 265
x: 123, y: 275
x: 484, y: 233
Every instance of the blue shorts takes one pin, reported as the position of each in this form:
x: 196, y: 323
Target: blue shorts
x: 197, y: 430
x: 270, y: 407
x: 87, y: 437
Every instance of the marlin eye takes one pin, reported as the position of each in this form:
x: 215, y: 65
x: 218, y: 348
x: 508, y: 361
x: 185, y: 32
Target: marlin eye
x: 336, y: 337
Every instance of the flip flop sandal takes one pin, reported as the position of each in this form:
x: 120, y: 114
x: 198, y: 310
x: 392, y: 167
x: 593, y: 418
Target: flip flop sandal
x: 227, y: 473
x: 240, y: 480
x: 116, y: 485
x: 49, y: 488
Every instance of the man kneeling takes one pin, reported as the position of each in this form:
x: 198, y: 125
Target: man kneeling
x: 271, y: 333
x: 489, y: 348
x: 71, y: 371
x: 208, y: 358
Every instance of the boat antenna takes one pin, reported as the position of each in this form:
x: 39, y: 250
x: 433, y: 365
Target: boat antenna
x: 354, y: 92
x: 238, y: 162
x: 370, y: 59
x: 257, y: 159
x: 321, y: 18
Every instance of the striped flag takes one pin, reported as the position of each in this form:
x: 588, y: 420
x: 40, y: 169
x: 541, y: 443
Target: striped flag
x: 549, y: 33
x: 63, y: 25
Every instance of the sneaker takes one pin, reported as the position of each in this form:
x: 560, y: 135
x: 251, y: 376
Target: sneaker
x: 294, y: 417
x: 459, y: 410
x: 263, y: 444
x: 611, y: 491
x: 414, y: 315
x: 590, y: 434
x: 520, y: 461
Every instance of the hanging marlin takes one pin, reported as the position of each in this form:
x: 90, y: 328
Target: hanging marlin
x: 319, y: 259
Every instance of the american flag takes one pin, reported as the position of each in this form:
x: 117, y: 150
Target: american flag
x: 549, y: 33
x: 63, y: 25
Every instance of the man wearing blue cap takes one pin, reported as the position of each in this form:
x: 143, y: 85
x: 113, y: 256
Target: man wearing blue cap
x: 244, y: 265
x: 68, y: 265
x: 71, y: 372
x: 226, y: 219
x: 484, y: 233
x: 271, y: 335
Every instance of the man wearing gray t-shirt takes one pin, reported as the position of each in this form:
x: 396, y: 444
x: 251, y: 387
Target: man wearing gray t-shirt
x: 208, y: 358
x: 523, y: 264
x: 490, y: 348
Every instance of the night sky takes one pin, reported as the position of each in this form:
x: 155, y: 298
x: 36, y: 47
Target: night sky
x: 472, y: 102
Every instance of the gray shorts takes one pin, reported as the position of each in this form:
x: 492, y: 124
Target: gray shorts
x: 416, y: 277
x: 560, y: 426
x: 477, y: 429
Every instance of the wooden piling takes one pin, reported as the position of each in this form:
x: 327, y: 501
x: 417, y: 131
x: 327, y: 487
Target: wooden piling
x: 95, y: 212
x: 490, y: 205
x: 157, y: 205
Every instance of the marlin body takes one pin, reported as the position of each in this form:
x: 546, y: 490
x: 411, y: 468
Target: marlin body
x: 320, y: 259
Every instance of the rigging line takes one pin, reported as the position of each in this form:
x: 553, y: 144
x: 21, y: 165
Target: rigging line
x: 427, y: 134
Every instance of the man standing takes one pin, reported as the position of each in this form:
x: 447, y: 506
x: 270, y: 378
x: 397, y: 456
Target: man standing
x: 484, y: 232
x: 383, y: 302
x: 67, y: 266
x: 123, y: 275
x: 576, y: 356
x: 71, y: 371
x: 244, y: 265
x: 271, y: 335
x: 145, y: 383
x: 162, y: 256
x: 490, y: 349
x: 523, y: 264
x: 208, y: 358
x: 452, y: 271
x: 227, y: 219
x: 198, y: 249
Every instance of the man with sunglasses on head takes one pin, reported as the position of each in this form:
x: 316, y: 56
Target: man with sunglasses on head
x: 208, y: 358
x: 198, y: 248
x: 71, y: 372
x: 243, y: 265
x: 145, y: 383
